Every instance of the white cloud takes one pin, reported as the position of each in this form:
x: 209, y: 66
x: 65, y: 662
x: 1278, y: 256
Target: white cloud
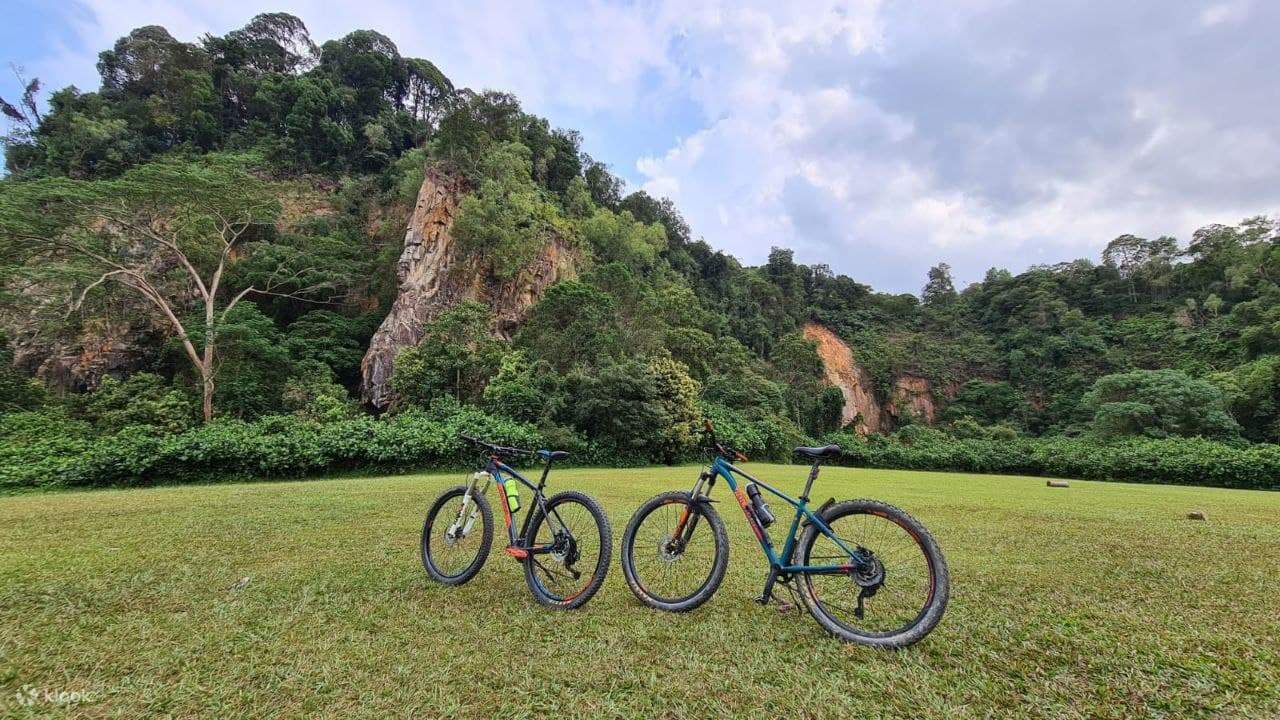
x: 879, y: 138
x: 987, y: 164
x: 1225, y: 12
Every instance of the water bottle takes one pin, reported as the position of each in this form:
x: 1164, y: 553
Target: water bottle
x: 512, y: 489
x: 758, y: 504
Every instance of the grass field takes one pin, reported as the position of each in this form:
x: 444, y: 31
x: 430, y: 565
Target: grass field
x: 1100, y: 600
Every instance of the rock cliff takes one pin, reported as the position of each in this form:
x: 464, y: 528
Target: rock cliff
x: 861, y: 407
x: 434, y: 275
x: 911, y: 395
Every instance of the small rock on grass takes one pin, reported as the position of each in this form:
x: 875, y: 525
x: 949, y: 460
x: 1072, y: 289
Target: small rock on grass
x: 1057, y: 483
x: 1197, y: 515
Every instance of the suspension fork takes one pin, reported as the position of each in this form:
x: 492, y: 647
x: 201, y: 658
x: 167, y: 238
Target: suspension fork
x: 688, y: 519
x: 454, y: 530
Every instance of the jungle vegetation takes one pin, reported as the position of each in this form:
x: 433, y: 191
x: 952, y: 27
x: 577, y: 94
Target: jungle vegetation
x: 174, y: 201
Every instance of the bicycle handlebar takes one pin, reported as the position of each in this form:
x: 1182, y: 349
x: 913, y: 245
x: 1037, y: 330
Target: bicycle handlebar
x: 723, y: 450
x: 496, y: 449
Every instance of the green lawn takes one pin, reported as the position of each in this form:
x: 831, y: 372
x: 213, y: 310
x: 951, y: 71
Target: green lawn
x: 1100, y: 600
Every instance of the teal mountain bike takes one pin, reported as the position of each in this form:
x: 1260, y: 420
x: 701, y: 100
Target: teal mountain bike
x: 868, y: 572
x: 564, y: 543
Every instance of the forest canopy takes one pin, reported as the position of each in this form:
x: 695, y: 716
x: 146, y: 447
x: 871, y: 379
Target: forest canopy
x: 325, y: 145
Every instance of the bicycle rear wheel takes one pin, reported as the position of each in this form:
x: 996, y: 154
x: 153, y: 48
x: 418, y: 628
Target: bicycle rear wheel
x: 577, y: 530
x: 674, y: 552
x: 896, y: 584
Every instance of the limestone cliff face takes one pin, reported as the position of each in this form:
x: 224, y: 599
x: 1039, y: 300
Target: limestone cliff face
x: 860, y: 404
x: 79, y: 364
x: 433, y: 276
x: 912, y: 396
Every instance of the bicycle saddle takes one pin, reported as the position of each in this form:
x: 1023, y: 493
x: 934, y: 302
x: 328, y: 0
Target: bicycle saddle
x: 818, y: 452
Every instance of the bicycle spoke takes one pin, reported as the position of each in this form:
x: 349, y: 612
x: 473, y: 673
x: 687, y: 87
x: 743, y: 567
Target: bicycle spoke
x: 574, y: 526
x: 453, y: 555
x: 672, y: 574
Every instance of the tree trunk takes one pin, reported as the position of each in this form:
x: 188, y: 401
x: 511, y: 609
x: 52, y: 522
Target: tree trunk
x: 206, y: 378
x: 206, y: 374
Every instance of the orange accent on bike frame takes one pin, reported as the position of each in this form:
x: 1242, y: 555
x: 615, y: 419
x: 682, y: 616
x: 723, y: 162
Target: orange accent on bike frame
x: 684, y: 518
x: 506, y: 511
x: 751, y: 516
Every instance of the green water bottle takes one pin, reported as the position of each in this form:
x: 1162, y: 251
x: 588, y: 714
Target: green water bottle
x: 513, y: 494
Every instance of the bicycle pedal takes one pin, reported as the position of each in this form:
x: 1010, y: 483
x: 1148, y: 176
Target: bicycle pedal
x: 518, y: 553
x: 785, y: 607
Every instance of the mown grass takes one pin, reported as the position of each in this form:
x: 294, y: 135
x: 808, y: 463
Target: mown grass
x: 1101, y: 600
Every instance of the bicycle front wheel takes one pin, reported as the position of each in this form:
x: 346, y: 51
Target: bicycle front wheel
x: 456, y: 536
x: 893, y: 588
x: 674, y: 552
x: 579, y: 539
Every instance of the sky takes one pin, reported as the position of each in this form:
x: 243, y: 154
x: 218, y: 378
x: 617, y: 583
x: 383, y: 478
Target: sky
x: 877, y: 137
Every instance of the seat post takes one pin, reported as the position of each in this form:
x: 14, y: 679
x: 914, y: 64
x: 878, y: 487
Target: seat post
x: 542, y: 482
x: 813, y: 475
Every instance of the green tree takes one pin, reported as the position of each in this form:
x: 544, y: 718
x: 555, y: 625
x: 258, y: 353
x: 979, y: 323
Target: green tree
x: 1158, y: 403
x: 519, y: 390
x: 618, y: 237
x: 455, y: 357
x: 799, y: 367
x: 573, y: 324
x: 167, y: 231
x: 677, y: 393
x: 312, y: 394
x: 640, y: 409
x: 507, y: 221
x: 1253, y: 395
x: 939, y: 290
x: 987, y: 402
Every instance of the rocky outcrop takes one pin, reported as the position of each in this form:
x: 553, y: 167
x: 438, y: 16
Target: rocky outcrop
x: 912, y: 396
x: 434, y: 275
x: 105, y: 349
x: 861, y: 408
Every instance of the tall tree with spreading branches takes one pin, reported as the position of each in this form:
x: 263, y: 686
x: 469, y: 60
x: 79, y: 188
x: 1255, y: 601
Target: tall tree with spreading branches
x: 173, y: 233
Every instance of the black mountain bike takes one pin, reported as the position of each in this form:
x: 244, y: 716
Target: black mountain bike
x: 565, y: 542
x: 868, y: 572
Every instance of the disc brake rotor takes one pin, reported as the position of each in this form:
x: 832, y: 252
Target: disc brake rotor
x: 667, y: 551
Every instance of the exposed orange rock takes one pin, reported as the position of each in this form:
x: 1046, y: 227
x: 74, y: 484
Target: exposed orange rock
x: 912, y: 395
x: 861, y: 408
x: 434, y: 275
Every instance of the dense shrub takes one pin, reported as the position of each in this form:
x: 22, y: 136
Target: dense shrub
x: 37, y: 448
x: 47, y: 449
x: 761, y: 437
x: 1183, y: 461
x: 281, y: 446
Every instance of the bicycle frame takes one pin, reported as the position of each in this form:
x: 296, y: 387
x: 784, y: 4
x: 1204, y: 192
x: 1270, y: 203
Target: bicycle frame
x: 496, y: 468
x: 721, y: 467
